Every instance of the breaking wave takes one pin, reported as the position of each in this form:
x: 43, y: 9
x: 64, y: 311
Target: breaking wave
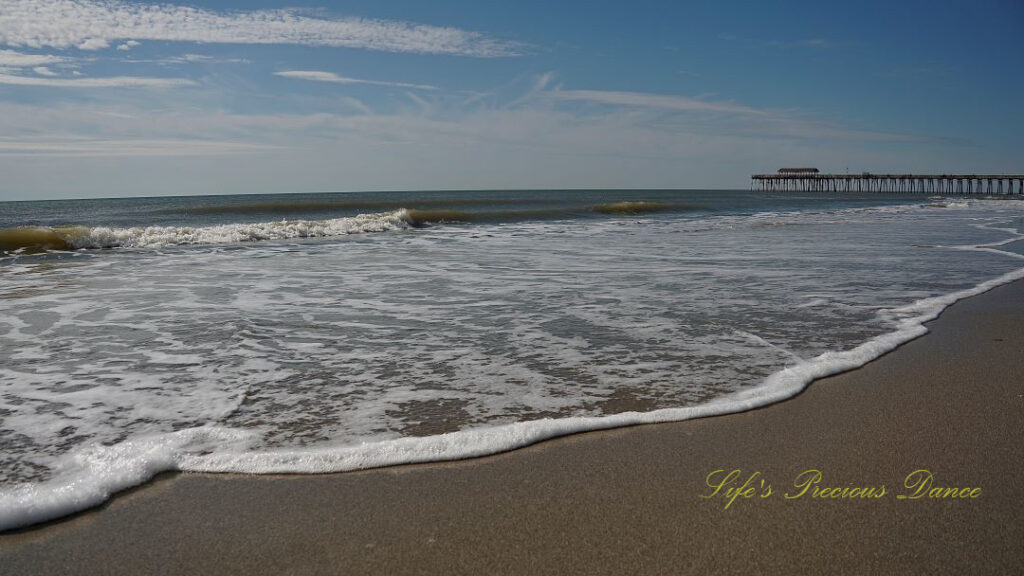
x: 28, y: 239
x: 630, y: 208
x: 79, y: 237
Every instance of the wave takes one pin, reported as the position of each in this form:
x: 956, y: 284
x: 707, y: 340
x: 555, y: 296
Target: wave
x: 630, y: 208
x: 224, y: 450
x: 40, y: 239
x: 421, y: 216
x: 79, y: 237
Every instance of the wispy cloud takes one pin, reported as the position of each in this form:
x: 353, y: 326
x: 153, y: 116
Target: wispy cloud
x: 69, y: 146
x: 539, y: 85
x: 204, y: 59
x: 699, y: 115
x: 320, y: 76
x: 44, y: 71
x: 186, y: 59
x: 108, y: 82
x: 96, y: 24
x: 437, y: 142
x: 12, y: 59
x: 645, y: 100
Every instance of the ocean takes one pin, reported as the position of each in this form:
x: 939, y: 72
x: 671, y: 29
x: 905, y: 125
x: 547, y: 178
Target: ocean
x: 311, y: 333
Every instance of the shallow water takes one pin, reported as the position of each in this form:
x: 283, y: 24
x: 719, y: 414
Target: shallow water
x: 270, y: 334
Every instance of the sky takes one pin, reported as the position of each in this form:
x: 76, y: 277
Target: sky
x: 110, y: 98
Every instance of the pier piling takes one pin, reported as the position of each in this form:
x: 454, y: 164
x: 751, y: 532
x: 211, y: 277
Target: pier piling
x: 810, y: 180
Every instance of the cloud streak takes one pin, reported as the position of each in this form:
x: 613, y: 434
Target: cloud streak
x: 88, y: 147
x: 108, y: 82
x: 319, y: 76
x: 10, y: 58
x: 660, y: 101
x: 186, y: 59
x: 94, y: 147
x: 96, y: 24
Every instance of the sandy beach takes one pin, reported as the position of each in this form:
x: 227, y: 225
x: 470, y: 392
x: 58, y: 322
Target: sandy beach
x: 632, y: 500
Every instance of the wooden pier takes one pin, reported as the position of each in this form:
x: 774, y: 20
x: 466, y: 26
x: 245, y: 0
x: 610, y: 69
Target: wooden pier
x: 809, y: 180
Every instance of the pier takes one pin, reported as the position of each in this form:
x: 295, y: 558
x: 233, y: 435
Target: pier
x: 810, y: 180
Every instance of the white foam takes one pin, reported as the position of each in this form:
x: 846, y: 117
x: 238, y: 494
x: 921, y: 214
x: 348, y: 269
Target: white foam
x: 91, y: 476
x: 109, y: 469
x: 320, y: 358
x: 479, y: 442
x: 163, y: 236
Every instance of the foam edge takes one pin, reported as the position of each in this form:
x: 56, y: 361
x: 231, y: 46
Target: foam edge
x: 135, y: 461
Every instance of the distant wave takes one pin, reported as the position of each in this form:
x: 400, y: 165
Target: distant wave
x: 12, y: 239
x: 78, y: 237
x: 510, y: 215
x: 630, y: 208
x: 39, y: 239
x: 420, y: 216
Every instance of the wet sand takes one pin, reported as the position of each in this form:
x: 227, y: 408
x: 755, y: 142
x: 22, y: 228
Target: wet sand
x: 629, y: 500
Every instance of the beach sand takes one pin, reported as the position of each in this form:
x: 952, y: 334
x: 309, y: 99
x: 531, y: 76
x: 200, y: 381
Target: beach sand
x: 629, y: 500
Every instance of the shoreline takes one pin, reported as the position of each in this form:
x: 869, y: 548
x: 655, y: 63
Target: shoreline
x: 780, y: 386
x: 565, y: 504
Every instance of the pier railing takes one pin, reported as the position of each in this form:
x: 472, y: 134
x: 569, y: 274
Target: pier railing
x: 988, y: 184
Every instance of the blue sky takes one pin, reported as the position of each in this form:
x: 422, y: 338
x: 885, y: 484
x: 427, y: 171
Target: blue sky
x: 104, y: 98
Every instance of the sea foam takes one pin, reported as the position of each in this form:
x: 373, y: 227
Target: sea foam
x: 100, y: 471
x: 80, y: 237
x: 313, y: 359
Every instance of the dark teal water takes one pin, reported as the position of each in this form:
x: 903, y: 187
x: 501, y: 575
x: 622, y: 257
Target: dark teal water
x: 481, y: 205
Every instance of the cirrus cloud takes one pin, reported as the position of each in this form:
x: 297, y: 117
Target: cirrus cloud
x: 96, y: 24
x: 645, y: 100
x: 10, y: 58
x: 320, y: 76
x: 107, y: 82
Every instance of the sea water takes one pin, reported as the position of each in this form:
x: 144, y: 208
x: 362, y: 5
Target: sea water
x: 331, y: 332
